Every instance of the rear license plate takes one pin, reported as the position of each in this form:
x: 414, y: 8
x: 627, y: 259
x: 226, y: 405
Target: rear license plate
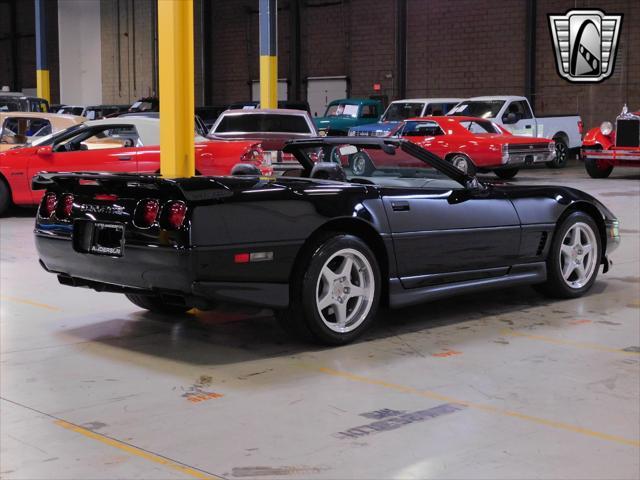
x: 107, y: 239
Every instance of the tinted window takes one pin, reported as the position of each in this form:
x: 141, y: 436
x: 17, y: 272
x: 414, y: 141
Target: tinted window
x: 520, y: 109
x: 482, y: 109
x: 438, y: 109
x: 9, y: 106
x: 401, y: 111
x: 421, y: 129
x: 263, y: 123
x: 20, y: 130
x: 369, y: 111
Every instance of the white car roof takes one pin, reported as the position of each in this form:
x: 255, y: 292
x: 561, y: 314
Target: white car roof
x: 148, y: 128
x: 504, y: 98
x: 429, y: 100
x: 257, y: 111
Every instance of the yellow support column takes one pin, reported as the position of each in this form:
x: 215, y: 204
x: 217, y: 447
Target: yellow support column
x: 177, y: 106
x: 268, y: 54
x: 43, y: 89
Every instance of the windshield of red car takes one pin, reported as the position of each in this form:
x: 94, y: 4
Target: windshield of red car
x: 262, y: 122
x: 477, y: 108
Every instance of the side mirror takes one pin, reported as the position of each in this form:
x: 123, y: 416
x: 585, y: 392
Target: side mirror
x: 509, y: 118
x: 44, y: 151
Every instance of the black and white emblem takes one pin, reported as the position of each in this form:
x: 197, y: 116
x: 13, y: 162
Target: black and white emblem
x: 585, y: 43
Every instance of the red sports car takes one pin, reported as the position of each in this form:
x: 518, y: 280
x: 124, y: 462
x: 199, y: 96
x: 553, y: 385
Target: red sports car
x: 112, y: 145
x: 605, y: 147
x: 471, y: 144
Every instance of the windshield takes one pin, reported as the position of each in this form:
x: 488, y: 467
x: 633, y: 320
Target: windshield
x: 376, y: 167
x: 49, y: 139
x: 399, y: 111
x: 71, y: 110
x: 476, y: 108
x: 342, y: 110
x: 262, y: 123
x: 9, y: 106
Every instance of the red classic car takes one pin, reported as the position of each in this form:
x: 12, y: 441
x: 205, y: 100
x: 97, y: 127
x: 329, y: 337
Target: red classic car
x: 112, y: 145
x: 605, y: 147
x: 471, y: 144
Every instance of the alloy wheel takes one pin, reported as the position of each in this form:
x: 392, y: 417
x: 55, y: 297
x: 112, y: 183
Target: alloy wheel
x: 578, y: 255
x: 345, y: 290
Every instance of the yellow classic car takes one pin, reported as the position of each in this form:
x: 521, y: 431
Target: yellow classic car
x: 19, y: 128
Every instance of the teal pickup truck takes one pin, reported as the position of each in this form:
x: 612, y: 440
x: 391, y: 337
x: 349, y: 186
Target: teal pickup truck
x: 343, y: 114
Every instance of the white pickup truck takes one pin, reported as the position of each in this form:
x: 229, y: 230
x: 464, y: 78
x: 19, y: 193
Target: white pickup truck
x: 515, y: 114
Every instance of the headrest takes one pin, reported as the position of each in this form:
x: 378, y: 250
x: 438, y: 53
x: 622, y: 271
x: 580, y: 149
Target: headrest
x: 328, y: 171
x: 245, y: 169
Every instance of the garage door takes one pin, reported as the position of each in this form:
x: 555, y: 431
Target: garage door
x: 322, y: 90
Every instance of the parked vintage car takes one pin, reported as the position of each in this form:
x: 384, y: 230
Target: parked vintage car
x: 271, y: 127
x: 400, y: 110
x: 323, y: 249
x: 112, y: 145
x: 470, y: 144
x: 19, y: 102
x: 515, y: 114
x: 21, y: 128
x: 341, y: 115
x: 606, y: 147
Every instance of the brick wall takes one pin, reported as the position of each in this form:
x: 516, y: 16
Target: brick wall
x: 465, y: 48
x: 26, y: 46
x: 455, y: 48
x: 595, y: 102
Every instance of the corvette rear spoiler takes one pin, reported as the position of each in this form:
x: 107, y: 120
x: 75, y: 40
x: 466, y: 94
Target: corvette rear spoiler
x: 192, y: 189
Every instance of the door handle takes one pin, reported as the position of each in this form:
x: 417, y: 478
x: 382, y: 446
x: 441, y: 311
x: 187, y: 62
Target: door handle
x: 527, y: 126
x: 400, y: 206
x: 125, y: 158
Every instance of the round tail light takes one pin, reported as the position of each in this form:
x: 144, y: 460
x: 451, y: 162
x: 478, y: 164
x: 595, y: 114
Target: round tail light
x: 175, y: 214
x: 146, y: 213
x: 48, y: 205
x: 65, y: 206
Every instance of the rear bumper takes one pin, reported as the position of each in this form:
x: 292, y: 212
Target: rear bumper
x: 526, y: 158
x: 159, y: 271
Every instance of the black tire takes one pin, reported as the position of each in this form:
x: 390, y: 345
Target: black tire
x: 506, y: 173
x: 156, y: 304
x: 5, y: 197
x: 464, y: 163
x: 361, y: 165
x: 555, y: 285
x: 304, y: 318
x: 562, y: 154
x: 595, y: 170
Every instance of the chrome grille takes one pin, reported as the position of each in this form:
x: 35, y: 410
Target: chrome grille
x: 628, y: 132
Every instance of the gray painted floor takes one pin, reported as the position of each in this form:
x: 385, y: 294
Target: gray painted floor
x: 500, y: 385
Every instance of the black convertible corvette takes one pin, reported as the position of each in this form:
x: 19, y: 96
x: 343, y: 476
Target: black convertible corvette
x: 320, y: 246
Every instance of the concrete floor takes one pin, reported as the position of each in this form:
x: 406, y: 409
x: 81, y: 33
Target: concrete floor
x: 500, y: 385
